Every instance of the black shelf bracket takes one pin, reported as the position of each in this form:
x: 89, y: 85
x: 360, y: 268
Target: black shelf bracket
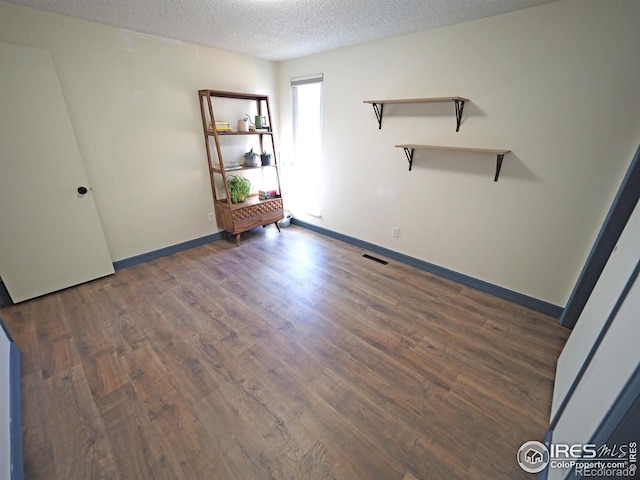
x: 409, y: 153
x: 377, y: 108
x: 459, y: 107
x: 499, y: 159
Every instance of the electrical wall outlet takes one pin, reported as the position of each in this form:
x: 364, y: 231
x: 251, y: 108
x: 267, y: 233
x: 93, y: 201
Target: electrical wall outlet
x: 395, y: 233
x: 210, y: 216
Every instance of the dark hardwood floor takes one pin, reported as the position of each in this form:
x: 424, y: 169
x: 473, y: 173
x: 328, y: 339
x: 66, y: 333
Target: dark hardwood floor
x: 288, y: 357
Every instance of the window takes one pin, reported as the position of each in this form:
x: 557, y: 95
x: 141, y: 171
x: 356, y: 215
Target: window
x: 307, y: 141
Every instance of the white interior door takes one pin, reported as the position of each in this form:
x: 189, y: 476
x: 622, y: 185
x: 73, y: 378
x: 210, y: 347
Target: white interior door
x: 596, y: 311
x: 50, y: 234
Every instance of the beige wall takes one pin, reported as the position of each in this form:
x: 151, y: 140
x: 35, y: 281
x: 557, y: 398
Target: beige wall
x: 556, y: 84
x: 133, y: 103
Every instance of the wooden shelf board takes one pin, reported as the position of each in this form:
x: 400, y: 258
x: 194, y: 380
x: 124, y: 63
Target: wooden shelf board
x: 418, y: 100
x: 224, y: 134
x: 378, y: 106
x: 409, y: 148
x: 225, y: 94
x: 454, y: 149
x: 229, y: 171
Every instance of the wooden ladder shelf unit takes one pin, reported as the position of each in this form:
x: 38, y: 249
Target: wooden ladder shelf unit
x: 378, y: 106
x: 410, y: 148
x: 236, y: 218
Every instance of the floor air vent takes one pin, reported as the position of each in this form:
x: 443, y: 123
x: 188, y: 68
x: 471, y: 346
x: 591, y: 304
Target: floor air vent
x: 379, y: 260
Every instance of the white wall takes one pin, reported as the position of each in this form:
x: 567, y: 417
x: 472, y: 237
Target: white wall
x: 133, y: 103
x: 556, y: 84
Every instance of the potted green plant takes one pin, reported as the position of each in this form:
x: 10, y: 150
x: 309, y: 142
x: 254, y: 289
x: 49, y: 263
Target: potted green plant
x: 252, y: 159
x: 266, y: 158
x: 239, y: 188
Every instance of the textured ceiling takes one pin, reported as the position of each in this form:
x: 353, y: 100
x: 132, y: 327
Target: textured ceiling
x: 279, y: 29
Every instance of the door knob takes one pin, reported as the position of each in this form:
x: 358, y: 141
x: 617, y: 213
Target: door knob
x: 82, y: 190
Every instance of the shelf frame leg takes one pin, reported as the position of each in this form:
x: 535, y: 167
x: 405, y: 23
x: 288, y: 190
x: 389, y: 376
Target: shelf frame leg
x: 459, y: 108
x: 409, y: 153
x: 499, y: 159
x: 377, y: 109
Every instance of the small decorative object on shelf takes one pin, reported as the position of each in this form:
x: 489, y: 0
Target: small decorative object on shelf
x: 232, y: 166
x: 237, y: 209
x: 260, y: 123
x: 267, y: 159
x: 223, y: 127
x: 252, y: 159
x: 264, y: 195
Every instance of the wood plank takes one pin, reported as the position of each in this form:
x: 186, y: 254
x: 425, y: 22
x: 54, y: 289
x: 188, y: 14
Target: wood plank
x: 104, y: 372
x: 81, y: 449
x: 39, y: 460
x: 24, y: 334
x: 416, y: 146
x: 387, y: 432
x: 182, y: 436
x: 129, y: 430
x: 418, y: 100
x: 258, y: 436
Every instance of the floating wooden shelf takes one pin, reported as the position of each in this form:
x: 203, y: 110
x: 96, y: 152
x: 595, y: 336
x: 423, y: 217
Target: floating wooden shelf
x: 410, y: 147
x: 378, y: 106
